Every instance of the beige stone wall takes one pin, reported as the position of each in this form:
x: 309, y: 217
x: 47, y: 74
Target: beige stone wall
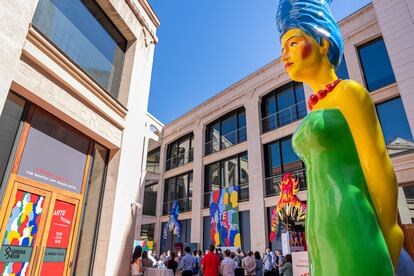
x: 357, y: 29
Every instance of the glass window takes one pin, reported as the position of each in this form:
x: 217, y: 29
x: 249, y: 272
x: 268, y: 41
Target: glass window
x: 393, y: 121
x: 86, y: 35
x: 54, y: 153
x: 91, y: 212
x: 147, y: 232
x: 178, y: 188
x: 279, y: 159
x: 150, y: 198
x: 342, y: 70
x: 376, y: 64
x: 244, y: 218
x: 9, y: 123
x: 180, y: 152
x: 225, y: 132
x: 153, y: 161
x: 227, y: 173
x: 283, y: 106
x: 206, y: 233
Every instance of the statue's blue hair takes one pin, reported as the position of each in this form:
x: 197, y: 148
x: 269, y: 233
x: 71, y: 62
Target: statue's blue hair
x: 314, y: 17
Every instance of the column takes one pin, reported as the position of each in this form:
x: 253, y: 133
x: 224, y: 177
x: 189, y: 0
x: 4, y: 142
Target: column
x: 198, y: 175
x: 15, y: 18
x: 256, y: 177
x: 396, y: 20
x: 160, y: 197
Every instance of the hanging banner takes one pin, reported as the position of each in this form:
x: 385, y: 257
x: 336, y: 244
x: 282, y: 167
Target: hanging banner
x: 173, y: 224
x: 224, y: 217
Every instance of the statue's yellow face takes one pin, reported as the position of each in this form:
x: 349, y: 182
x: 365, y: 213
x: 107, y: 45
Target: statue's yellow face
x: 302, y: 56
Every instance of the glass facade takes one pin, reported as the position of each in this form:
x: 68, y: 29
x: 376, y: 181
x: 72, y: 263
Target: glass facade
x: 92, y: 211
x: 227, y: 131
x: 280, y: 158
x: 150, y: 198
x: 178, y: 188
x: 180, y: 152
x: 147, y: 232
x: 83, y: 32
x: 9, y: 123
x: 226, y: 173
x: 283, y: 106
x: 393, y: 120
x: 376, y: 64
x: 168, y: 243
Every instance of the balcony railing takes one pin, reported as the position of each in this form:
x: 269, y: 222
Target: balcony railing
x: 243, y: 195
x: 179, y: 160
x: 272, y: 183
x: 225, y: 141
x: 284, y: 117
x: 184, y: 203
x: 153, y: 167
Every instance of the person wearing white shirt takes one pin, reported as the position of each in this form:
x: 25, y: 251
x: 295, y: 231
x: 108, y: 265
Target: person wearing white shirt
x: 227, y: 265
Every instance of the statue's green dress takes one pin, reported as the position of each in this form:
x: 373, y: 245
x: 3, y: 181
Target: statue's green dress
x: 343, y: 233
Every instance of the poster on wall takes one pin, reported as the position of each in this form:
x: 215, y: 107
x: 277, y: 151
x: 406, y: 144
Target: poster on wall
x: 58, y: 239
x: 145, y: 244
x: 224, y: 217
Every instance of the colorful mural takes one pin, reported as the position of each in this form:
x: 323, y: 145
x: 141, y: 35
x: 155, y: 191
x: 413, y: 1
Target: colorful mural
x: 224, y: 217
x: 21, y: 231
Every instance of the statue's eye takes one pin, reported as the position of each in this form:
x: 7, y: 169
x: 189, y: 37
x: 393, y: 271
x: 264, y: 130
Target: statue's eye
x: 293, y: 44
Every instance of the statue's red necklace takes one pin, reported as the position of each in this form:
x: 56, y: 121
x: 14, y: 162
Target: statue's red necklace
x: 315, y: 98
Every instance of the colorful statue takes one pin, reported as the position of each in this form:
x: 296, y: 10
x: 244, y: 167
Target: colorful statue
x: 352, y: 188
x: 289, y: 206
x: 173, y: 224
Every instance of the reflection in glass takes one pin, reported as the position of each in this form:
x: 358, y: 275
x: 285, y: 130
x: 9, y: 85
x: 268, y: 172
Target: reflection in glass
x: 150, y: 198
x: 86, y: 35
x: 376, y: 64
x: 91, y: 213
x: 178, y: 188
x: 180, y: 152
x: 9, y: 123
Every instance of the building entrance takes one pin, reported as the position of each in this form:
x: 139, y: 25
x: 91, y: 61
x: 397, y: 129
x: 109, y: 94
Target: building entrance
x: 37, y: 230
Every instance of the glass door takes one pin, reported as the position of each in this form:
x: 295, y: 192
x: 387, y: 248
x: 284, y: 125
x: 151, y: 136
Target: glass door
x: 23, y: 215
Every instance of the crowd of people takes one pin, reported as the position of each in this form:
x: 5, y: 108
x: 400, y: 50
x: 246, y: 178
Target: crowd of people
x: 214, y: 262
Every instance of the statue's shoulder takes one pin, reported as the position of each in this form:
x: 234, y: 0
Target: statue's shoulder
x: 353, y: 89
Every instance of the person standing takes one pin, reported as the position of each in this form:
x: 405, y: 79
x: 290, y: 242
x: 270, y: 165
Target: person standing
x: 210, y: 264
x: 259, y: 264
x: 275, y: 269
x: 146, y: 262
x: 249, y: 264
x: 171, y: 263
x: 187, y: 263
x: 228, y: 265
x: 286, y: 267
x: 268, y: 263
x: 136, y: 265
x: 239, y: 271
x: 151, y: 257
x: 279, y: 261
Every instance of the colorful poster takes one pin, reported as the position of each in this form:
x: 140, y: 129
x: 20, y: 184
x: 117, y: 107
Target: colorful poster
x: 58, y: 239
x: 21, y: 232
x: 145, y: 244
x: 224, y: 217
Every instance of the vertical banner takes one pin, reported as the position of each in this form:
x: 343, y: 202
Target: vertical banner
x: 58, y: 239
x: 224, y: 217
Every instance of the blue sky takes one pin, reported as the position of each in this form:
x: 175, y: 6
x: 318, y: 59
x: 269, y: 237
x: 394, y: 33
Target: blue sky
x: 206, y: 46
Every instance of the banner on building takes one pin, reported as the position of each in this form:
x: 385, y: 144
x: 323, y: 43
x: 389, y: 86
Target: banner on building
x: 224, y: 217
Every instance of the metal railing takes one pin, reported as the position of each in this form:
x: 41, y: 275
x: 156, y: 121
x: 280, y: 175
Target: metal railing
x: 284, y: 117
x: 243, y: 195
x: 272, y: 183
x: 184, y: 203
x: 179, y: 160
x: 225, y: 141
x: 153, y: 167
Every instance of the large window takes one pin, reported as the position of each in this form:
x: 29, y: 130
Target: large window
x: 225, y: 173
x: 9, y: 123
x: 279, y: 159
x: 180, y: 152
x: 283, y: 106
x: 393, y: 121
x: 376, y: 64
x: 180, y: 189
x: 150, y: 198
x: 153, y: 161
x: 227, y: 131
x: 342, y: 70
x: 82, y: 31
x: 147, y: 232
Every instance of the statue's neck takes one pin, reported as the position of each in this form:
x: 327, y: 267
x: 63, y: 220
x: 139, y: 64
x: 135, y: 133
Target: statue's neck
x: 321, y: 79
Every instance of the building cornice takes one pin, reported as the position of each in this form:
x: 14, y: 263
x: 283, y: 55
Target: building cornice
x: 133, y: 6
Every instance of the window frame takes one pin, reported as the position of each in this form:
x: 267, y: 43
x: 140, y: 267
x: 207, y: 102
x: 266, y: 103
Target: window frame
x: 177, y: 142
x: 187, y: 198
